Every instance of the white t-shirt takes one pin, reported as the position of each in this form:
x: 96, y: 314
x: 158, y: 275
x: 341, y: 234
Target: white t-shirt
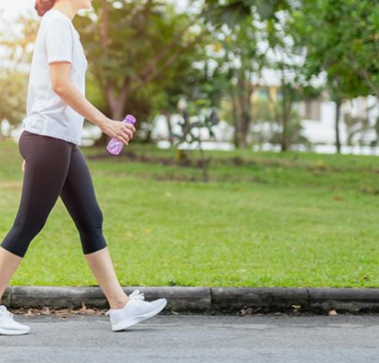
x: 47, y: 113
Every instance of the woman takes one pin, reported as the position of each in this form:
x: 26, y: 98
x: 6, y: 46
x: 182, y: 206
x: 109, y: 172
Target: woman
x: 55, y: 166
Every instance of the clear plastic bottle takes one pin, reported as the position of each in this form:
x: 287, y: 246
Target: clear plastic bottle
x: 115, y: 145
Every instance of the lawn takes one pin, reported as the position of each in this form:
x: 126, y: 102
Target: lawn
x: 262, y: 219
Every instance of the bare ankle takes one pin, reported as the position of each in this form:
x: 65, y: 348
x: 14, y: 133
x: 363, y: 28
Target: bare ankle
x: 119, y: 304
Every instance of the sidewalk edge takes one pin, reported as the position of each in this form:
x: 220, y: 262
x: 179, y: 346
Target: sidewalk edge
x: 203, y: 299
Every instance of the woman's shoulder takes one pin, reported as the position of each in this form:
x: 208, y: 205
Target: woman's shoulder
x: 53, y: 16
x: 56, y: 22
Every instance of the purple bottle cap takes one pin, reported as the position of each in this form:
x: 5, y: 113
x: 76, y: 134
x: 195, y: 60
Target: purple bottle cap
x: 130, y: 118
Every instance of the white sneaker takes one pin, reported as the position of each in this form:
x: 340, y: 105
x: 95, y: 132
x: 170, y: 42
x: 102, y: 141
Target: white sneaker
x: 8, y: 326
x: 135, y: 311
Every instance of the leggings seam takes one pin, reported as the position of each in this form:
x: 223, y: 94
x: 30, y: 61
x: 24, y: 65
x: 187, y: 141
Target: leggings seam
x: 83, y: 205
x: 85, y: 211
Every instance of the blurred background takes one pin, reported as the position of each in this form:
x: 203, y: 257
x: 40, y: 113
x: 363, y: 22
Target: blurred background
x: 278, y: 75
x: 255, y: 157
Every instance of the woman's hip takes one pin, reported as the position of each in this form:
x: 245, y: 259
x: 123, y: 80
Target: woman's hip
x: 44, y: 149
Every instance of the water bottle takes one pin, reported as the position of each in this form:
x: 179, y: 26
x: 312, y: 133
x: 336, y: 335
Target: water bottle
x: 115, y: 145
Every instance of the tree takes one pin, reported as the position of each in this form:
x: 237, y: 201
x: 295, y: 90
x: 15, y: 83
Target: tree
x: 293, y: 86
x: 330, y: 32
x: 130, y: 46
x: 243, y: 57
x: 240, y: 63
x: 232, y: 12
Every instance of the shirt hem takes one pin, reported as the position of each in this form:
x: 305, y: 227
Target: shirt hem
x: 59, y: 59
x: 53, y: 134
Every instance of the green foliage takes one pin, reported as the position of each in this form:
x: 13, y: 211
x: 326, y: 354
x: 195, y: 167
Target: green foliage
x: 265, y: 111
x: 14, y: 87
x: 13, y: 75
x: 233, y: 12
x: 329, y: 31
x: 206, y: 118
x: 356, y: 127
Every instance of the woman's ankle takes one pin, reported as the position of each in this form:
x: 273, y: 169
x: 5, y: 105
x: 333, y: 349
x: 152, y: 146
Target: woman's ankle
x: 119, y: 304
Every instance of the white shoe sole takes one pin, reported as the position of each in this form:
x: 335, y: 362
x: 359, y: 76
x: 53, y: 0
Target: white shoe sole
x: 136, y: 319
x: 13, y: 332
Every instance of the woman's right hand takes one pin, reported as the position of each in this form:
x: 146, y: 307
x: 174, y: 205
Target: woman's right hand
x: 120, y: 130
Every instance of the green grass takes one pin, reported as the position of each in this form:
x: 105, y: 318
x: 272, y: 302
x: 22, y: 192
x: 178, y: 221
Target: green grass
x: 273, y: 220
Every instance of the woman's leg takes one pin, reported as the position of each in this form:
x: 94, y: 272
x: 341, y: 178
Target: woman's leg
x: 102, y: 267
x: 8, y: 266
x: 78, y: 195
x: 47, y: 161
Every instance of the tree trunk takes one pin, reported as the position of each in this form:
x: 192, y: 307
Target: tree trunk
x: 244, y: 94
x: 235, y: 120
x: 337, y: 125
x: 167, y: 114
x: 116, y: 105
x: 285, y: 116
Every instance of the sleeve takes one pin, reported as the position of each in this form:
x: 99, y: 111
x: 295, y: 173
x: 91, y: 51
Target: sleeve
x: 59, y: 41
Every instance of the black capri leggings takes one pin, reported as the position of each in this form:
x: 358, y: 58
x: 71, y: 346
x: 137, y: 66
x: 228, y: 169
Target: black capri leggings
x: 54, y: 168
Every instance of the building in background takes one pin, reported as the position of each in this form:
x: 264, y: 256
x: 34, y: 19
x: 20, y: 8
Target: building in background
x: 358, y: 120
x: 357, y: 124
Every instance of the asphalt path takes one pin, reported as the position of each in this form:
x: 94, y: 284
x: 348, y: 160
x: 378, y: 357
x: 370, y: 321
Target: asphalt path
x: 196, y: 338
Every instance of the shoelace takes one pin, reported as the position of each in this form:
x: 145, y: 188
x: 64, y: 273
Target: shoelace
x: 135, y: 295
x: 4, y: 312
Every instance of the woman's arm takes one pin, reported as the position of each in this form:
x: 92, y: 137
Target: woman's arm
x: 63, y: 86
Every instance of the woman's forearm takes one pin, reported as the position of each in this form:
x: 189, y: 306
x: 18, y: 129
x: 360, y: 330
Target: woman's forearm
x: 73, y: 97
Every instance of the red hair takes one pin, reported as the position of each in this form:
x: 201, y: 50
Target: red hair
x: 43, y: 5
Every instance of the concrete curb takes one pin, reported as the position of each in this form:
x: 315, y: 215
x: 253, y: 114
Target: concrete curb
x: 203, y: 299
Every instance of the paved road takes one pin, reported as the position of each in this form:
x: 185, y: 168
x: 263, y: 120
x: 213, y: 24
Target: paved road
x: 196, y: 338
